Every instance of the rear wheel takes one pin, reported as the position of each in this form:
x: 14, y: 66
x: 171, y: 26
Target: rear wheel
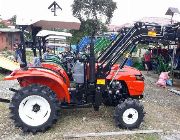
x: 34, y: 108
x: 129, y: 114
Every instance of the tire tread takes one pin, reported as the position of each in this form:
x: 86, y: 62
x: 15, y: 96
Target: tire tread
x: 26, y: 91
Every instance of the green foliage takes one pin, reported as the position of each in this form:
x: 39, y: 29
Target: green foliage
x: 2, y: 25
x: 3, y: 73
x: 147, y: 137
x: 85, y: 30
x: 13, y: 20
x: 5, y: 49
x: 162, y: 65
x: 93, y: 14
x: 29, y: 56
x: 94, y: 9
x: 1, y: 76
x: 77, y: 35
x: 138, y: 65
x: 142, y: 46
x: 27, y: 36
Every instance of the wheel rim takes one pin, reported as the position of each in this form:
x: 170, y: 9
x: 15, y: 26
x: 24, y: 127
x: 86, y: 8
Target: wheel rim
x: 130, y: 116
x: 34, y: 110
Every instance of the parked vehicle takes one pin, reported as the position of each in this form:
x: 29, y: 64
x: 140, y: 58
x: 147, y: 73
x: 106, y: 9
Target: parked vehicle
x: 46, y: 89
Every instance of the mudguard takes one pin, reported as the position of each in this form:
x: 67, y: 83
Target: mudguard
x: 42, y: 76
x: 58, y: 69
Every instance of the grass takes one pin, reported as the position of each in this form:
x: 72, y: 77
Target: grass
x: 147, y: 137
x: 2, y: 76
x: 3, y: 73
x: 29, y: 56
x: 7, y: 53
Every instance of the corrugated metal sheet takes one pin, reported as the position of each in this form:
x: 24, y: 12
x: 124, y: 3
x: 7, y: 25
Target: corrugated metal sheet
x: 46, y: 24
x: 9, y: 30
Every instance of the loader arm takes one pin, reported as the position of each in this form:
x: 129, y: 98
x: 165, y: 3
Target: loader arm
x: 139, y: 33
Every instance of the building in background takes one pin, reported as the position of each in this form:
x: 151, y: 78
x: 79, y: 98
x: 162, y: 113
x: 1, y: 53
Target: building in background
x: 156, y: 20
x: 8, y: 37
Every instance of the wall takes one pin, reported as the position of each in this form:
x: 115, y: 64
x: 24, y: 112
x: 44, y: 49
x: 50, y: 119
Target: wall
x: 8, y: 39
x: 2, y: 41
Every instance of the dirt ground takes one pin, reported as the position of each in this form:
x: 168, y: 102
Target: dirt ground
x: 161, y: 106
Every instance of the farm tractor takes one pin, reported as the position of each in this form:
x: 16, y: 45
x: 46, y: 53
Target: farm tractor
x: 93, y: 81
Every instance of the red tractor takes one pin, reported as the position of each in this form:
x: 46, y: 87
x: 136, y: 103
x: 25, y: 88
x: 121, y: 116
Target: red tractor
x: 47, y: 88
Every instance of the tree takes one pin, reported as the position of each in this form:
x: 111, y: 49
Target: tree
x: 13, y: 20
x: 85, y: 30
x: 94, y: 9
x: 94, y: 13
x: 2, y: 25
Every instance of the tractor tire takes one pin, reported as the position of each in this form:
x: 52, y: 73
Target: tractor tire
x: 129, y: 114
x: 107, y: 102
x: 34, y: 108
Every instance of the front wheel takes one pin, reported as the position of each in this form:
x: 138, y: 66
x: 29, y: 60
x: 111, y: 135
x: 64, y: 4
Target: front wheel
x: 34, y: 108
x: 129, y: 114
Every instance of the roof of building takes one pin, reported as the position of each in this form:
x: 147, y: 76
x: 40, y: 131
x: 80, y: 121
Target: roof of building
x: 55, y: 33
x: 56, y: 37
x: 63, y: 24
x: 9, y: 30
x: 158, y: 20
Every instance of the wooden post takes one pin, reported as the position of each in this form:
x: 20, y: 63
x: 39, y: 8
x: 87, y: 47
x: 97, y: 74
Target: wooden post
x: 112, y: 133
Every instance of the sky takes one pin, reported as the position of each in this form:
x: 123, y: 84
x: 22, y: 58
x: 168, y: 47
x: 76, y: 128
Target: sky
x: 127, y: 10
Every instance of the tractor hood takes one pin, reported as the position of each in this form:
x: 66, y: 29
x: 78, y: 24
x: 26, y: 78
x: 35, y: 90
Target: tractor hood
x: 125, y: 73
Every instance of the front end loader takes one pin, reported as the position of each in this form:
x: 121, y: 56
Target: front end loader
x: 48, y: 88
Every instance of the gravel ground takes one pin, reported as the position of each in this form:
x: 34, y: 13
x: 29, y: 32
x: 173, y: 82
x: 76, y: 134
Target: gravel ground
x: 162, y: 112
x: 4, y: 88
